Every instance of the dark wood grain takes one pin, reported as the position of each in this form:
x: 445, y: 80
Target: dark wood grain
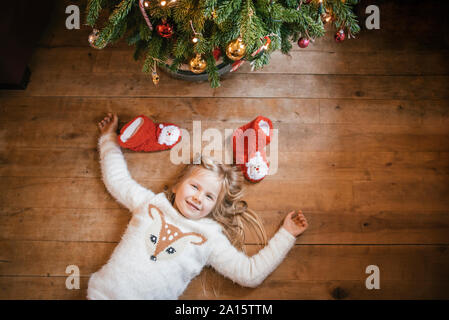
x: 363, y: 151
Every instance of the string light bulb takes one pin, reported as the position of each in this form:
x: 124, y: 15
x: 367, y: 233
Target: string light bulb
x: 170, y: 3
x: 195, y: 38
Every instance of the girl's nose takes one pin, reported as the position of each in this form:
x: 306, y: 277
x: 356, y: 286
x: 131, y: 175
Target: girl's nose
x: 196, y: 198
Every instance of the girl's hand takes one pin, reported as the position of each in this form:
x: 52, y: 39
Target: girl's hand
x: 108, y: 124
x: 295, y: 223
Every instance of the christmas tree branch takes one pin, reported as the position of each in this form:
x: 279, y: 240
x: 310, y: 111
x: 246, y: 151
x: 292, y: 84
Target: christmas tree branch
x: 93, y: 11
x: 215, y: 24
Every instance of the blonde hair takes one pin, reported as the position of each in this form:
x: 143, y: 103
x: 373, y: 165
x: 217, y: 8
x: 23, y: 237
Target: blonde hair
x: 230, y: 210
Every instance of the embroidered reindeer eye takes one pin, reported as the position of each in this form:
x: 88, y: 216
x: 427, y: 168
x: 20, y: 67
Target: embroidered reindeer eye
x: 153, y: 238
x: 170, y: 250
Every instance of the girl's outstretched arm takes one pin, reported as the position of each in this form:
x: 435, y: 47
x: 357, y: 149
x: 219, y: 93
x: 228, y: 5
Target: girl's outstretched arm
x: 114, y: 170
x: 252, y: 271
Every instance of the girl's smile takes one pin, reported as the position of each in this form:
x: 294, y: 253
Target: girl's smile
x: 194, y: 207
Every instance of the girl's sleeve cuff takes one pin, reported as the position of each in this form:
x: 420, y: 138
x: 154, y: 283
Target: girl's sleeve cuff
x: 287, y: 235
x: 111, y: 136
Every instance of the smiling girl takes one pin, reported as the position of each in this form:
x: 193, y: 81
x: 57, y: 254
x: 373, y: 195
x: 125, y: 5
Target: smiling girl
x: 171, y: 236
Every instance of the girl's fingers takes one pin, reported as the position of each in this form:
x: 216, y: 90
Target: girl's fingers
x: 107, y: 120
x: 298, y: 218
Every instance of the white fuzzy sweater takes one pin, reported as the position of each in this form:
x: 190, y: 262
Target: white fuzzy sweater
x: 161, y: 251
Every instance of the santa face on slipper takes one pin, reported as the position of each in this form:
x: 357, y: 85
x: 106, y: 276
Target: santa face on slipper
x: 256, y: 167
x: 142, y: 134
x: 168, y: 135
x: 249, y: 143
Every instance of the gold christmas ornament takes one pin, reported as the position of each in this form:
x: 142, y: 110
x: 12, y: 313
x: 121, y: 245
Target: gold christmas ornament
x: 326, y: 17
x: 236, y: 49
x: 155, y: 77
x: 93, y: 37
x: 197, y: 64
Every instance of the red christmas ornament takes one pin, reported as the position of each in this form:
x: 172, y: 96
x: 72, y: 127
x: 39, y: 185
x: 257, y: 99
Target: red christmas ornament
x: 216, y: 53
x: 165, y: 29
x: 340, y: 36
x: 303, y: 42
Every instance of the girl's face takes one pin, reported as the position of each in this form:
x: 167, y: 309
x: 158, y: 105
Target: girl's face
x: 196, y: 196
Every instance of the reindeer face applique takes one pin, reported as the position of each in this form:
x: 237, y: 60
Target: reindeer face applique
x: 164, y: 240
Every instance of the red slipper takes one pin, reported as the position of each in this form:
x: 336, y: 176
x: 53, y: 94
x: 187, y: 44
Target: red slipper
x: 142, y: 134
x: 249, y: 148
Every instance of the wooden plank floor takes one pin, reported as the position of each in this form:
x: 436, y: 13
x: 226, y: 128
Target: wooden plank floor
x: 363, y: 151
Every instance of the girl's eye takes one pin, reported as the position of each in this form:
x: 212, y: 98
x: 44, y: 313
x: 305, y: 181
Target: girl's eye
x: 170, y: 250
x: 194, y: 186
x: 153, y: 238
x: 210, y: 197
